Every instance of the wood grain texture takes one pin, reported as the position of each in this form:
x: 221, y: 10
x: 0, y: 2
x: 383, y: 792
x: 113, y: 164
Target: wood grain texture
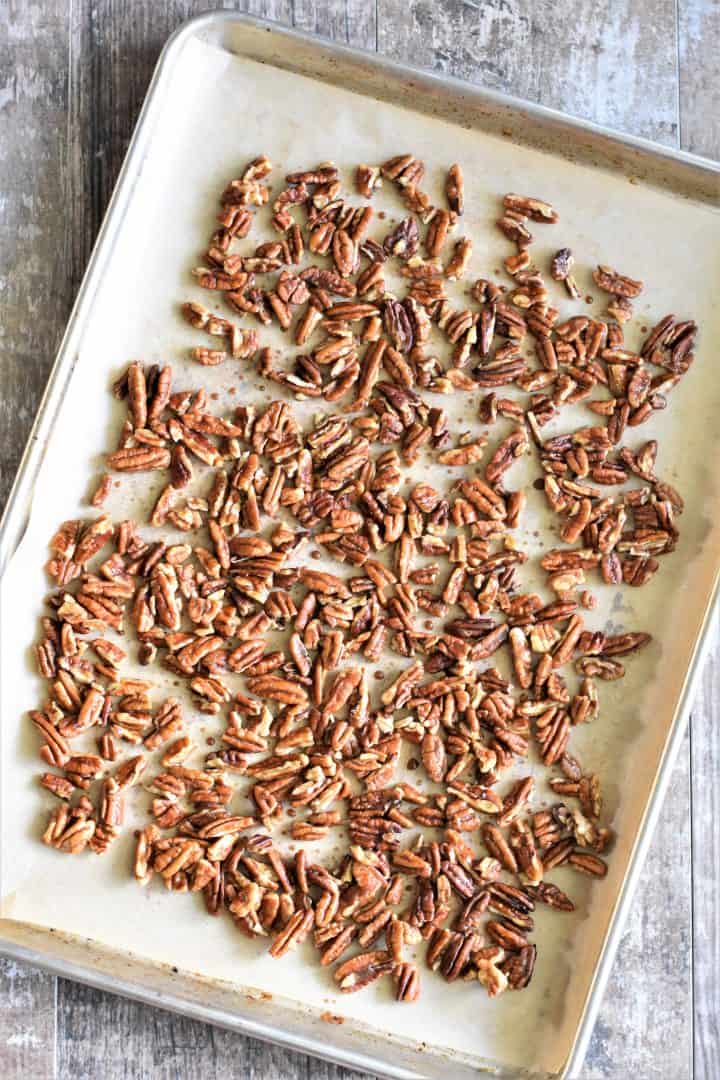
x: 101, y: 1035
x: 613, y: 62
x: 645, y: 1026
x: 35, y: 292
x: 27, y: 1023
x: 35, y: 298
x: 705, y: 740
x: 353, y: 22
x: 699, y: 102
x: 72, y: 80
x: 699, y: 57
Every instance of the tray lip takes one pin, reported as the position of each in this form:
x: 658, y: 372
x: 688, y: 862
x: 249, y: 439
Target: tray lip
x: 11, y: 530
x: 211, y: 1014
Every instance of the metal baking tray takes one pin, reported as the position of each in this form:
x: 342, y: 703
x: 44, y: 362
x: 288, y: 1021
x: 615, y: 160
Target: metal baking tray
x: 688, y: 183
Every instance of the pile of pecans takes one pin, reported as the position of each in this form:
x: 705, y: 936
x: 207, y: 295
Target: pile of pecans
x: 284, y: 653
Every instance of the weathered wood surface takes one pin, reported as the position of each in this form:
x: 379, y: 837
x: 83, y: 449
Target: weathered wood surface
x: 699, y: 90
x: 27, y: 1021
x: 699, y: 107
x: 72, y: 79
x: 705, y: 805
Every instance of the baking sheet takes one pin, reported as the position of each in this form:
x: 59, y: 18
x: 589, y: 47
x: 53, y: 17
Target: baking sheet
x: 220, y: 111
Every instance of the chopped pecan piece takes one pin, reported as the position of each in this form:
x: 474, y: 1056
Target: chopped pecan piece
x: 455, y: 189
x: 611, y: 281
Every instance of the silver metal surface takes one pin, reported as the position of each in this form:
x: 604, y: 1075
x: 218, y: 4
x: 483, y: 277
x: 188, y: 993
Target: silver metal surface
x: 686, y: 176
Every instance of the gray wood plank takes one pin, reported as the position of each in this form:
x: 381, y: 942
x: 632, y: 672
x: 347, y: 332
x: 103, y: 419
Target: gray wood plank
x: 350, y: 21
x: 645, y: 1024
x: 705, y: 737
x: 106, y: 1036
x: 362, y: 24
x: 35, y: 297
x: 699, y: 42
x: 27, y: 1023
x: 699, y: 34
x: 612, y: 61
x: 699, y: 30
x: 279, y: 10
x: 328, y: 19
x: 35, y: 294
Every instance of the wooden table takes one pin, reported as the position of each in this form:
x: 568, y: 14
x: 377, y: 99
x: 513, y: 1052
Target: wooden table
x: 72, y: 79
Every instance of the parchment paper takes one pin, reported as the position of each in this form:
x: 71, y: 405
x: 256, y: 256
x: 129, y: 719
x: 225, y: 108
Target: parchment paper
x: 220, y: 112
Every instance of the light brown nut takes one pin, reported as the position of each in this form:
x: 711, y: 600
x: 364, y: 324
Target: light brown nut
x: 367, y: 179
x: 455, y: 189
x: 613, y: 282
x: 437, y: 232
x: 530, y: 207
x: 407, y: 982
